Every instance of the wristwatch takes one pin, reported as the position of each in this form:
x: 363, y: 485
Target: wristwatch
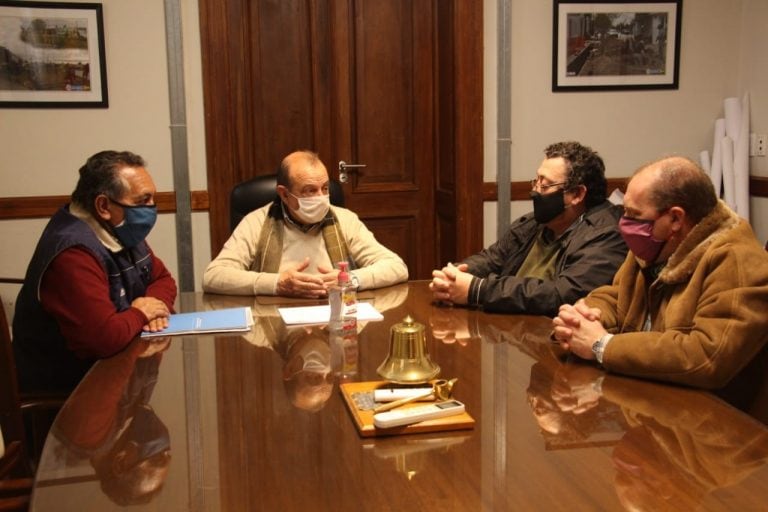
x: 599, y: 346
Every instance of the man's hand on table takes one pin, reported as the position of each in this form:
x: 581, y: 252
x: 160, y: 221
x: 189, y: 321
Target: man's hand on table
x: 155, y: 310
x: 330, y: 276
x: 451, y: 284
x: 294, y: 282
x: 577, y: 327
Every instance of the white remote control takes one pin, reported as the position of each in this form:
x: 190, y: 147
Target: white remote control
x: 410, y: 415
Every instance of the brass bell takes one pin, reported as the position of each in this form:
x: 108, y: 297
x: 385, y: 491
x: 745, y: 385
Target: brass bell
x: 408, y: 361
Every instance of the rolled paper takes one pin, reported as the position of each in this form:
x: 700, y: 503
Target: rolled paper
x: 616, y: 197
x: 732, y: 117
x: 726, y: 148
x: 741, y: 162
x: 716, y: 172
x: 704, y: 162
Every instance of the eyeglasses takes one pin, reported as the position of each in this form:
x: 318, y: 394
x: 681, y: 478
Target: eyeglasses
x: 537, y: 183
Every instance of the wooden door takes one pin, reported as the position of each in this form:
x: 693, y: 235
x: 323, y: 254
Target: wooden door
x: 383, y: 102
x: 392, y: 84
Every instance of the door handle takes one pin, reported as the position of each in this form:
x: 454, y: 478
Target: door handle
x: 345, y: 168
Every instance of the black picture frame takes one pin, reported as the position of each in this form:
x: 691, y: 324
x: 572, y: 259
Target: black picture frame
x: 52, y: 55
x: 605, y: 45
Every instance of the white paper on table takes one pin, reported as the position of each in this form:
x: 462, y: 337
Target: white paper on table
x: 729, y: 192
x: 321, y: 314
x: 741, y: 163
x: 717, y: 159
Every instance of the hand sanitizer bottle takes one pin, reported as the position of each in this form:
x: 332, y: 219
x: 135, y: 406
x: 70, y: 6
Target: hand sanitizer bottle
x: 342, y: 324
x: 348, y: 292
x: 342, y: 296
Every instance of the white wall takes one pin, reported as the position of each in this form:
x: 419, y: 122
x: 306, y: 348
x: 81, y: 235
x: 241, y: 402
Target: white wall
x: 722, y: 46
x: 42, y: 149
x: 753, y: 77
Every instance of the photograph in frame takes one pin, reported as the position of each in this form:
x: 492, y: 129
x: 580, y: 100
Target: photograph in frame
x: 609, y: 45
x: 52, y: 55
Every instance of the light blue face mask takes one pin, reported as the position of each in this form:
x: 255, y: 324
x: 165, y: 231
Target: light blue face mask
x: 138, y: 222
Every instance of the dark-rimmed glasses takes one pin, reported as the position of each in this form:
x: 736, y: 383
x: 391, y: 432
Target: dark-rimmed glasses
x: 537, y: 183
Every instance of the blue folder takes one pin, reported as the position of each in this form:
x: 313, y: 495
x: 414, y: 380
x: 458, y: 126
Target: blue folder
x: 201, y: 322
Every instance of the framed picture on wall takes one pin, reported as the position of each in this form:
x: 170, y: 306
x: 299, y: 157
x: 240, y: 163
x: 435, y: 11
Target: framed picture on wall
x: 52, y: 55
x: 609, y: 45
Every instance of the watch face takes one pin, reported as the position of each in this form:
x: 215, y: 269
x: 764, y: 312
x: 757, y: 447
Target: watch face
x: 599, y: 345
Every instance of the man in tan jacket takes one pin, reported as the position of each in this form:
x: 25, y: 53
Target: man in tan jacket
x: 688, y: 304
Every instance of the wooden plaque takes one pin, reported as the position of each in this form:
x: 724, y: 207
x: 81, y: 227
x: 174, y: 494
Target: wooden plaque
x: 364, y: 418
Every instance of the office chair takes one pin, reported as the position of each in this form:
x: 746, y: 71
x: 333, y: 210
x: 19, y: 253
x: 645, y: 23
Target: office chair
x: 15, y: 480
x: 25, y: 419
x: 15, y: 469
x: 262, y: 190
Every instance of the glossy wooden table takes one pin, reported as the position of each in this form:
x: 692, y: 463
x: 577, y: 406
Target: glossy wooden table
x: 242, y: 422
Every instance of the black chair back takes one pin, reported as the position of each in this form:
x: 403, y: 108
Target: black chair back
x: 262, y: 190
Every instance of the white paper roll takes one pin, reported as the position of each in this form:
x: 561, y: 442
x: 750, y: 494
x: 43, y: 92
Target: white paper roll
x: 729, y: 193
x: 704, y: 162
x: 716, y: 172
x: 741, y: 162
x: 732, y: 117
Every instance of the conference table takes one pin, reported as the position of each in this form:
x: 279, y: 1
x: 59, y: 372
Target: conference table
x: 256, y: 421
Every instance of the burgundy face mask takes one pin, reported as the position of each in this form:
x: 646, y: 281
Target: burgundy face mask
x: 638, y: 235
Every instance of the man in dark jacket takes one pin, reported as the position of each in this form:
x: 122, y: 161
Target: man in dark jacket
x: 93, y: 283
x: 569, y: 245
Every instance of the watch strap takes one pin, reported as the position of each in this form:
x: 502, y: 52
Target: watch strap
x: 598, y: 347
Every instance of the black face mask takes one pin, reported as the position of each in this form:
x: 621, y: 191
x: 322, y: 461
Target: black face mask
x: 548, y: 206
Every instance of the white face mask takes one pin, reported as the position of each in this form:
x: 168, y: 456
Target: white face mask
x: 317, y: 362
x: 312, y: 209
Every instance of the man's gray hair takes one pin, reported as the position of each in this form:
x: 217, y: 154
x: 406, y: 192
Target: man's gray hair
x: 284, y: 171
x: 101, y: 175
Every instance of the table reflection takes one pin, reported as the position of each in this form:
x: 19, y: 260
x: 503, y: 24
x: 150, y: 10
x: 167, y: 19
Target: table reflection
x: 307, y: 374
x: 670, y: 449
x: 412, y: 455
x: 567, y: 408
x: 677, y: 448
x: 313, y: 358
x: 256, y: 422
x: 463, y: 326
x: 109, y: 423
